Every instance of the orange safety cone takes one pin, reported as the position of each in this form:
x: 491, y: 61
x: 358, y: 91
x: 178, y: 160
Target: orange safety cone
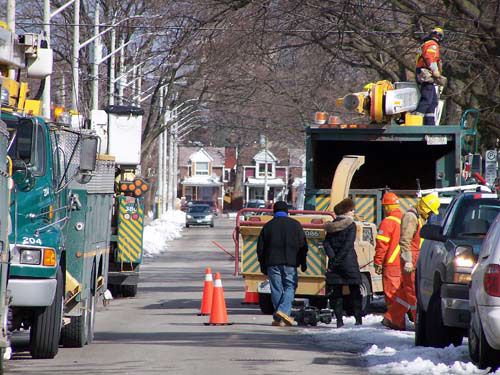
x: 251, y: 298
x: 218, y: 315
x: 208, y: 292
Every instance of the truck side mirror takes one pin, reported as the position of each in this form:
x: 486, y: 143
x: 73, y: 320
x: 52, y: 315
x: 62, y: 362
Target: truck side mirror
x: 432, y: 232
x: 88, y: 153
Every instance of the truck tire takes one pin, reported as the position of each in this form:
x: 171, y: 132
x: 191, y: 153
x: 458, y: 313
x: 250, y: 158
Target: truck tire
x: 129, y: 290
x: 438, y: 335
x: 74, y: 334
x: 266, y: 304
x: 46, y: 325
x: 91, y: 318
x: 420, y: 327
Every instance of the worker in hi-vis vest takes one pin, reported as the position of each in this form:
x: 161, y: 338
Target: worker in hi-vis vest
x: 386, y: 260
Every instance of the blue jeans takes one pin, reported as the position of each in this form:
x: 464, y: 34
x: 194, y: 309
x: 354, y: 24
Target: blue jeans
x: 283, y: 281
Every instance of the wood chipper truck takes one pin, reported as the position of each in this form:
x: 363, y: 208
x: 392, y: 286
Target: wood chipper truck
x: 120, y: 128
x: 5, y: 182
x: 397, y: 155
x: 60, y: 209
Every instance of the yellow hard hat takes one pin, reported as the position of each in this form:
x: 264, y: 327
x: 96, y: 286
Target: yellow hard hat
x: 438, y: 31
x: 432, y: 202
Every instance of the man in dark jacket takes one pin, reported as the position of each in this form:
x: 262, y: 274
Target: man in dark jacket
x: 281, y: 248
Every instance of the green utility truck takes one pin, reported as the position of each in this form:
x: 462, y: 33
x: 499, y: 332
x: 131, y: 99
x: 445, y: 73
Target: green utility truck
x: 61, y: 228
x: 395, y: 158
x: 4, y: 243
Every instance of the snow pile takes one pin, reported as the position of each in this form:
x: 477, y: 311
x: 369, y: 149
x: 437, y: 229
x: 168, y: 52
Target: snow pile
x: 160, y: 231
x: 386, y: 351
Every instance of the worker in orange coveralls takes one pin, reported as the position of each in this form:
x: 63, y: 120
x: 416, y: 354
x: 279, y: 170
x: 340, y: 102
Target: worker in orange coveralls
x: 386, y: 260
x: 428, y: 73
x: 405, y: 299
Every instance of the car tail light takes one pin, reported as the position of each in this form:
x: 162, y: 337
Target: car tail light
x: 492, y: 280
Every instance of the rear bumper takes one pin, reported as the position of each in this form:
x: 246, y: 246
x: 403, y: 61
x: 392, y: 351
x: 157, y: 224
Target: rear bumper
x: 199, y: 222
x: 455, y: 305
x: 123, y: 278
x: 32, y: 292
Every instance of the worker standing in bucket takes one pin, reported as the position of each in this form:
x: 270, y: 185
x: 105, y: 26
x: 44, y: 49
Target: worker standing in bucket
x: 386, y: 260
x: 281, y: 248
x: 428, y: 73
x: 409, y: 242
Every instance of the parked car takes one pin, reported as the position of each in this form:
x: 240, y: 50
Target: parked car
x: 484, y: 300
x: 255, y: 203
x: 448, y: 254
x: 200, y: 214
x: 187, y: 205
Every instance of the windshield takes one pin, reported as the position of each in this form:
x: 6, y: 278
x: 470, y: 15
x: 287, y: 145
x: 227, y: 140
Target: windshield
x: 474, y: 217
x: 256, y: 204
x: 199, y: 209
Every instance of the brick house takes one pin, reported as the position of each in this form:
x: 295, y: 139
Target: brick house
x: 201, y: 174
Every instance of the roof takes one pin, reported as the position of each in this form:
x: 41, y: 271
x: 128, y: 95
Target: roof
x: 271, y: 182
x: 201, y: 181
x: 217, y: 154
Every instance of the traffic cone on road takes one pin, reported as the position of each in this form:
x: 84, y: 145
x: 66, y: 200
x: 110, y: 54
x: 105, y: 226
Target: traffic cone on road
x: 251, y: 298
x: 218, y: 315
x: 208, y: 292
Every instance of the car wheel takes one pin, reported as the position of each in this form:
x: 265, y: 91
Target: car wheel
x: 481, y: 353
x: 212, y: 225
x: 266, y: 304
x: 420, y: 327
x: 438, y: 335
x: 187, y: 225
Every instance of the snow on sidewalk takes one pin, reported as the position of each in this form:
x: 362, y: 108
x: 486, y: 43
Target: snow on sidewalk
x: 386, y: 351
x: 160, y: 231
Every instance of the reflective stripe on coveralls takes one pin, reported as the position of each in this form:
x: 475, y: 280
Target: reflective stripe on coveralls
x: 386, y: 254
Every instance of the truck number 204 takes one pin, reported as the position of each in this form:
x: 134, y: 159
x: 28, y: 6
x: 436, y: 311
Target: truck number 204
x: 31, y: 241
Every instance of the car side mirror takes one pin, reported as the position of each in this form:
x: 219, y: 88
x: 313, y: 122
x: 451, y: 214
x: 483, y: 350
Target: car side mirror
x: 432, y: 232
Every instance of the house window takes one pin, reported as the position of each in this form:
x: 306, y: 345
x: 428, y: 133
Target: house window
x: 201, y: 168
x: 262, y: 169
x: 227, y: 175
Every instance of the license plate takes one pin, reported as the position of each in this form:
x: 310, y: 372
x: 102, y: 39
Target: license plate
x: 433, y: 140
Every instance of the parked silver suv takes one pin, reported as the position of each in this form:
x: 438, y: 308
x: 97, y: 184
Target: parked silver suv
x: 447, y: 256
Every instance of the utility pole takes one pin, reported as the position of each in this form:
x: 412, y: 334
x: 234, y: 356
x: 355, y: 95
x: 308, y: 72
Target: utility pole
x: 11, y: 24
x: 97, y: 57
x: 74, y: 61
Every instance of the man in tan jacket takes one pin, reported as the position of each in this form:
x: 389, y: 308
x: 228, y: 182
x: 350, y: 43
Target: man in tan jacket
x: 410, y: 242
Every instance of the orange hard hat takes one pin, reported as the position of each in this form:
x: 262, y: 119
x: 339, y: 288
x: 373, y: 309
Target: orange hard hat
x: 390, y: 198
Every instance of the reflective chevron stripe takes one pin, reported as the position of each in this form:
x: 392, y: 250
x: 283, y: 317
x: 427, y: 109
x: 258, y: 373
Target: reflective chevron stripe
x: 130, y: 231
x: 322, y: 202
x: 365, y: 206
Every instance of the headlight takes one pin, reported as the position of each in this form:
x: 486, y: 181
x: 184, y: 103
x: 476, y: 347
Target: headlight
x: 189, y: 217
x: 209, y: 217
x: 30, y: 256
x: 464, y: 257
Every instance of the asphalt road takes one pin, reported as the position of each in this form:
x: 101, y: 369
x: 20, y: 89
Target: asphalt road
x: 159, y: 332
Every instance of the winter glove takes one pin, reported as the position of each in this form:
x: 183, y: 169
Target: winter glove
x: 303, y: 267
x: 408, y: 268
x: 441, y: 81
x: 378, y: 268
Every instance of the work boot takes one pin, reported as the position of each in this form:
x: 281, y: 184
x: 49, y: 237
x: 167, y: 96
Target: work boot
x: 386, y: 322
x: 288, y: 320
x: 358, y: 313
x: 338, y: 309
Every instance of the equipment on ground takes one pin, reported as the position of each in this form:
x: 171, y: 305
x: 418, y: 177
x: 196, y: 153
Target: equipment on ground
x: 311, y: 315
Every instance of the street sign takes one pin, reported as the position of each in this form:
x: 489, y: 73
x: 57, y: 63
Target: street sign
x: 491, y: 166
